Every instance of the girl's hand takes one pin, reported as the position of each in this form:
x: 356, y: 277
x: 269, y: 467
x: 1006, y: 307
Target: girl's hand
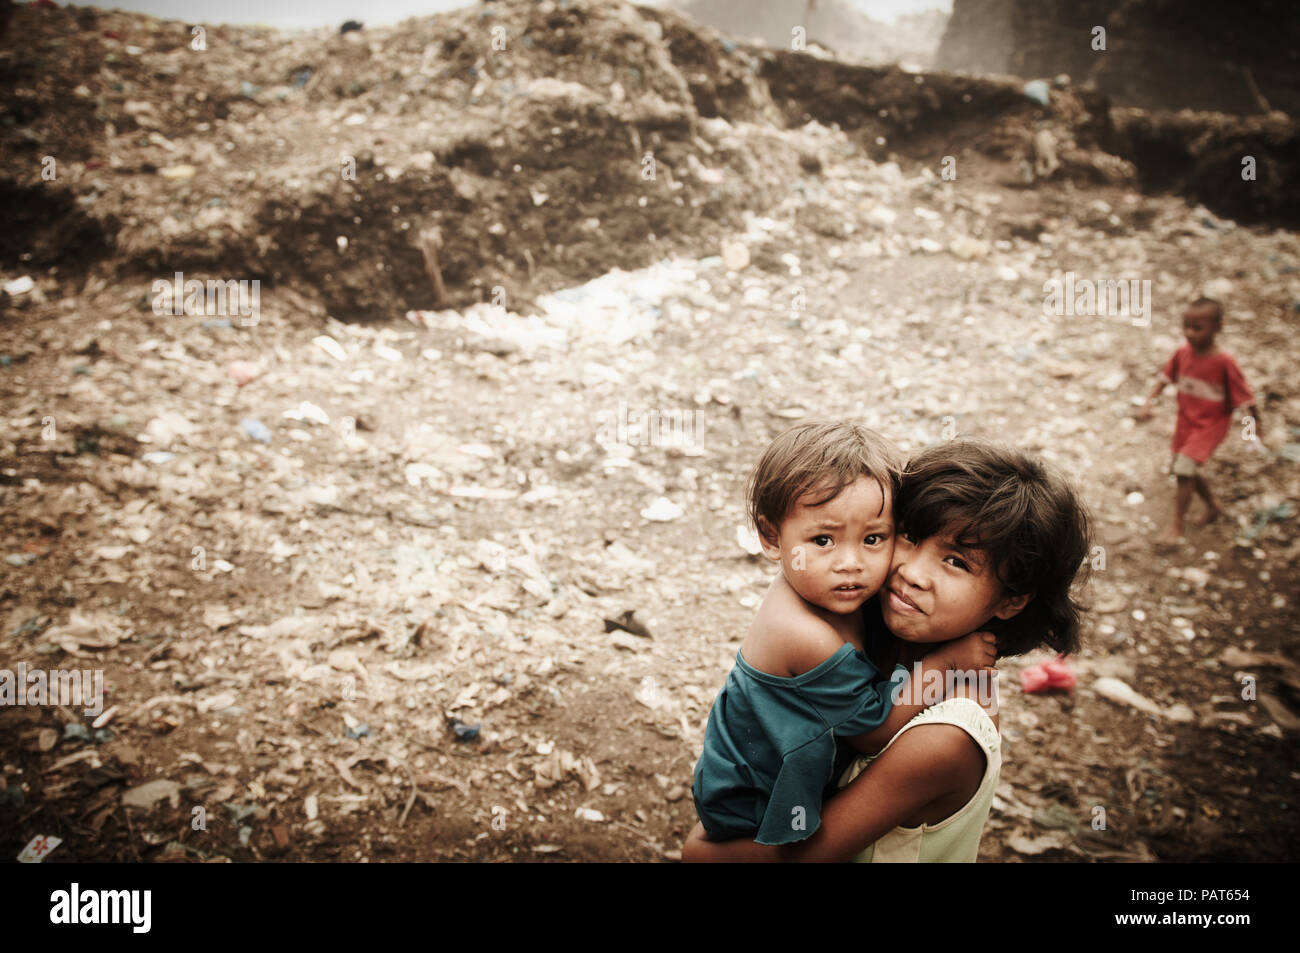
x: 972, y: 652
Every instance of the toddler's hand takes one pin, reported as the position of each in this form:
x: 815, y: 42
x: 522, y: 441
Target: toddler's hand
x: 971, y: 652
x: 1143, y: 414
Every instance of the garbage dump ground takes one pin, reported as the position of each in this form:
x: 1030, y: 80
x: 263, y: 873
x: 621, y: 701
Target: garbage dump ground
x: 438, y: 551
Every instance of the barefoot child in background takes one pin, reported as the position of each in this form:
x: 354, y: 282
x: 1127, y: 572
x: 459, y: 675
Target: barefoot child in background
x: 1210, y: 387
x: 821, y: 499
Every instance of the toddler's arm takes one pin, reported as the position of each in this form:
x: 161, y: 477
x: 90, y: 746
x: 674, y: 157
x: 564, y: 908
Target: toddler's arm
x: 1144, y: 412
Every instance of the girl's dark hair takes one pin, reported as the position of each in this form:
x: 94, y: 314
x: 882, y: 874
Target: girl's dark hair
x: 1023, y: 514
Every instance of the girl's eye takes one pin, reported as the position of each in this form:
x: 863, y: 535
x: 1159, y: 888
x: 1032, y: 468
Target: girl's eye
x: 874, y: 539
x: 822, y: 540
x: 960, y: 563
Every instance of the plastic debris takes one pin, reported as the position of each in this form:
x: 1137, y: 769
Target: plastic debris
x: 1261, y: 519
x: 627, y: 622
x: 1038, y: 91
x: 19, y: 286
x: 146, y: 796
x: 330, y: 347
x: 256, y: 429
x: 1053, y: 674
x: 242, y: 372
x: 308, y: 411
x: 38, y: 848
x: 1112, y: 689
x: 464, y: 732
x: 662, y: 510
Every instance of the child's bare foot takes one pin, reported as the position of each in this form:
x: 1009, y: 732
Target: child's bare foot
x: 1212, y: 516
x: 1172, y: 536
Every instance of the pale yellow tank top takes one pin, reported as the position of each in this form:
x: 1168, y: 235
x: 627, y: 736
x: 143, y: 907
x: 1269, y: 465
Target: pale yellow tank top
x: 956, y: 839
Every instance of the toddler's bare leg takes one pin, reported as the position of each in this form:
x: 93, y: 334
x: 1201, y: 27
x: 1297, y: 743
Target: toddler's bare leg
x: 1212, y: 508
x: 1182, y: 498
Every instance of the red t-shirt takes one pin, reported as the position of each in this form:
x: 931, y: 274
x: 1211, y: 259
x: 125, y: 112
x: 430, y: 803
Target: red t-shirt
x: 1210, y: 388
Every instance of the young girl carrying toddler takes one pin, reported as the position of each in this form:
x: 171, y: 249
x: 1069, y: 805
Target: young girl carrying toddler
x: 821, y: 499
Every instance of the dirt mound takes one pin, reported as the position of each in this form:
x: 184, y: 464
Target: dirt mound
x: 488, y: 152
x: 1159, y: 54
x: 328, y: 160
x: 1243, y: 168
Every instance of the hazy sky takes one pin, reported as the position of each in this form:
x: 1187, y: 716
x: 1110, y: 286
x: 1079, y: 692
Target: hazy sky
x: 314, y: 13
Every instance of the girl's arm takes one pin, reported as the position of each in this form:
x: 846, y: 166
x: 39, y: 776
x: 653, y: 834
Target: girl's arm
x: 971, y: 653
x: 928, y: 765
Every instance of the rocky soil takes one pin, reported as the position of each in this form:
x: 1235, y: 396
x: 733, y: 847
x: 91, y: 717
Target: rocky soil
x: 358, y: 568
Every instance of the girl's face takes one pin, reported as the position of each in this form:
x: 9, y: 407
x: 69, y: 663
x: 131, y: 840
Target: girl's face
x: 939, y: 591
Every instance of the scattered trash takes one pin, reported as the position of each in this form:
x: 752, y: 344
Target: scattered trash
x: 662, y: 510
x: 1279, y: 513
x: 1112, y: 689
x: 967, y: 248
x: 1038, y: 91
x: 330, y: 347
x: 1051, y: 675
x: 242, y: 372
x: 146, y: 796
x: 256, y: 429
x: 38, y: 848
x: 1285, y: 719
x: 464, y: 732
x: 627, y: 622
x: 307, y: 411
x: 735, y: 256
x: 19, y: 286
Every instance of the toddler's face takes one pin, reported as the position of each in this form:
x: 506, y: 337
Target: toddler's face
x: 939, y: 591
x: 837, y: 555
x: 1199, y: 327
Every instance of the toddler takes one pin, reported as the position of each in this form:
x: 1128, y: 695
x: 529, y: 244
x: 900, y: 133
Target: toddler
x: 1210, y: 387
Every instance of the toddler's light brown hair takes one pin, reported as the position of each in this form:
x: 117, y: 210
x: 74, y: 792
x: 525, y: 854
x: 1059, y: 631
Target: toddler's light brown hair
x: 822, y: 457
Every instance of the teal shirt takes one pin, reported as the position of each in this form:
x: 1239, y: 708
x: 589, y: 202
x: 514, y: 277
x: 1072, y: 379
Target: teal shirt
x: 769, y: 748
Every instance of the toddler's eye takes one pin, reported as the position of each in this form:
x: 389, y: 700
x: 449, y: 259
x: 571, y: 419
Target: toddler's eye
x: 875, y: 539
x: 822, y: 540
